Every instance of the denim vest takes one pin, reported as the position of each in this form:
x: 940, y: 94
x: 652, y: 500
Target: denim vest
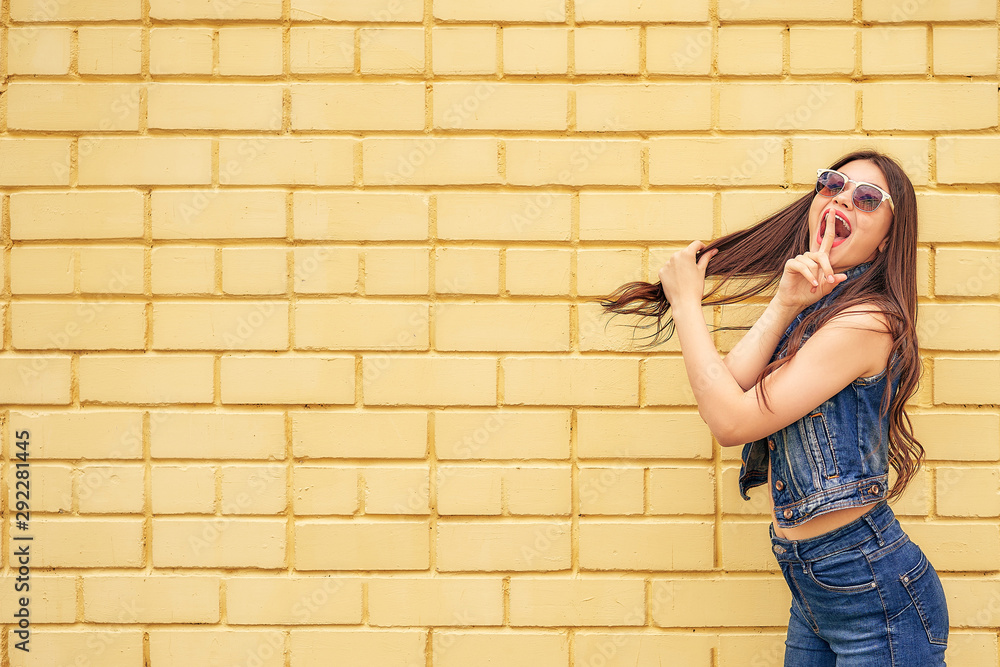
x: 834, y: 457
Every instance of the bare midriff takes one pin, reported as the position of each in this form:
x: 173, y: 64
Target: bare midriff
x: 816, y: 526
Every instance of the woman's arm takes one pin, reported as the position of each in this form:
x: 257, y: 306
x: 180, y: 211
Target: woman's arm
x: 753, y: 352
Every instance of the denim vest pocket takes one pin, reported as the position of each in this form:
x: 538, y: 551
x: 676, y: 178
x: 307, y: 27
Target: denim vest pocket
x: 821, y: 445
x: 924, y: 587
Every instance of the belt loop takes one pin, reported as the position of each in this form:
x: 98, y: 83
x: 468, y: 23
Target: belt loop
x: 871, y: 523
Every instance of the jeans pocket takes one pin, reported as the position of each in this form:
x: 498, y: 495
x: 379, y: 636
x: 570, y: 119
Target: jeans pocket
x: 925, y: 589
x: 843, y: 572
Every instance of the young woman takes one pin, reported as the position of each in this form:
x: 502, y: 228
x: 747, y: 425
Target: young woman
x: 815, y: 393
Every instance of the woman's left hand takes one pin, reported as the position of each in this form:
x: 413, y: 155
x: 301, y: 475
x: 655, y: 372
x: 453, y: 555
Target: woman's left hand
x: 684, y: 278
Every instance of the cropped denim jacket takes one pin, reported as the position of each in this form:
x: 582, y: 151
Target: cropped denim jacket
x: 834, y: 457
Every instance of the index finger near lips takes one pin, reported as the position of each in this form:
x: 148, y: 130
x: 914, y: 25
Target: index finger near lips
x: 829, y: 233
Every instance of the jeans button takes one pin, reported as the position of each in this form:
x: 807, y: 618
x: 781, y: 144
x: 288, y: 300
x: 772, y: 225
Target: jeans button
x: 778, y: 549
x: 788, y: 514
x: 779, y: 485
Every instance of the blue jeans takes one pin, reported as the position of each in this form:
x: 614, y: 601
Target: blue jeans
x: 863, y: 595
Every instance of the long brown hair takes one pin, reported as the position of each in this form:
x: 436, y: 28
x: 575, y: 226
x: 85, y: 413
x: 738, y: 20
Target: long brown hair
x: 750, y: 261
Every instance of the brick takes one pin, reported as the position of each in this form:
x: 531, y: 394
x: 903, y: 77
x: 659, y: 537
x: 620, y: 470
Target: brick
x: 538, y: 491
x: 464, y: 50
x: 146, y: 161
x: 187, y: 10
x: 650, y: 545
x: 538, y: 272
x: 916, y: 106
x: 734, y: 648
x: 392, y: 50
x: 640, y: 216
x: 469, y: 490
x: 358, y: 10
x: 250, y: 51
x: 293, y: 379
x: 812, y: 153
x: 324, y: 490
x: 956, y: 547
x: 750, y: 49
x: 746, y: 546
x: 620, y: 107
x: 325, y: 270
x: 482, y: 327
x: 219, y: 542
x: 968, y: 160
x: 42, y: 270
x: 717, y: 160
x: 397, y: 490
x: 80, y: 542
x: 358, y: 106
x: 599, y: 272
x: 362, y: 216
x: 76, y: 215
x: 966, y: 271
x: 200, y: 214
x: 111, y: 489
x: 465, y: 271
x: 657, y: 11
x: 321, y: 50
x: 611, y: 490
x: 624, y: 434
x: 183, y: 489
x: 207, y: 325
x: 265, y: 648
x: 175, y: 50
x: 980, y: 216
x: 915, y: 500
x: 666, y: 382
x: 455, y: 649
x: 503, y: 216
x: 698, y: 603
x: 397, y: 271
x: 679, y: 50
x: 821, y: 50
x: 733, y: 503
x: 573, y: 162
x: 895, y: 13
x: 84, y: 10
x: 500, y: 106
x: 405, y: 380
x: 682, y: 490
x: 394, y: 648
x: 254, y: 271
x: 433, y: 602
x: 361, y: 325
x: 923, y: 271
x: 53, y: 600
x: 552, y: 11
x: 214, y: 106
x: 28, y: 379
x: 535, y: 50
x: 363, y: 545
x: 110, y: 50
x: 120, y: 648
x: 576, y: 602
x: 606, y: 50
x: 506, y: 434
x: 967, y: 492
x: 359, y: 434
x: 81, y: 325
x: 643, y: 649
x: 959, y: 436
x: 286, y: 161
x: 978, y: 648
x: 71, y: 106
x: 894, y: 50
x: 798, y: 106
x: 34, y: 161
x: 292, y: 600
x: 781, y: 10
x: 111, y: 270
x: 51, y: 486
x: 964, y: 50
x: 491, y: 547
x: 972, y: 600
x: 106, y: 378
x: 38, y: 50
x: 744, y: 208
x: 151, y: 599
x: 431, y: 161
x: 183, y: 270
x: 571, y: 381
x: 253, y: 489
x: 94, y: 434
x: 953, y: 326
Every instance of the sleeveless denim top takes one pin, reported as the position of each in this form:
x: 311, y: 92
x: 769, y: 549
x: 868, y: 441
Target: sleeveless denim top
x: 834, y: 457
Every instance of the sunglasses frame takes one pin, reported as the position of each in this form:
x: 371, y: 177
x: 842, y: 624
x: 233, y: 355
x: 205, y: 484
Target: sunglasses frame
x: 885, y: 195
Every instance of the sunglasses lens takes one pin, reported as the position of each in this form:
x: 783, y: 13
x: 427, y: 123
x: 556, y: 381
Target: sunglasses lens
x: 829, y: 183
x: 867, y: 198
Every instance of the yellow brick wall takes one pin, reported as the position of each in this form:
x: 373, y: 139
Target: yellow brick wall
x: 298, y: 314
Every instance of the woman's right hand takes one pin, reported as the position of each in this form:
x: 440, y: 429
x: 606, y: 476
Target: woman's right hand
x: 808, y: 277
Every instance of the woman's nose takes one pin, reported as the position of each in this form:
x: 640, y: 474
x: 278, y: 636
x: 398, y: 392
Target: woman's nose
x: 846, y: 196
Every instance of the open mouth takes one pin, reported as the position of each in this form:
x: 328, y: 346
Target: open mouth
x: 841, y: 231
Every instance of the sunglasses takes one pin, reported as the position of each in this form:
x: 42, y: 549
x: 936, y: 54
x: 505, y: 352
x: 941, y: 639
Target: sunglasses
x: 867, y: 197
